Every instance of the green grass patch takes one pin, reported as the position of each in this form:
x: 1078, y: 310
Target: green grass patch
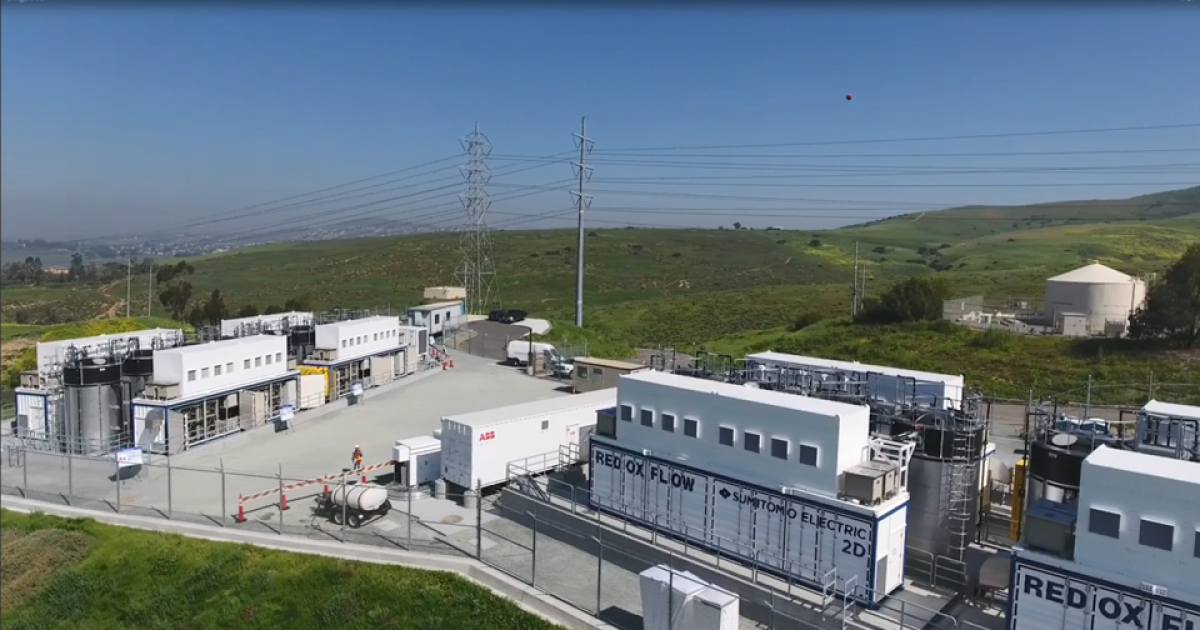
x: 137, y: 579
x: 26, y: 358
x: 997, y: 362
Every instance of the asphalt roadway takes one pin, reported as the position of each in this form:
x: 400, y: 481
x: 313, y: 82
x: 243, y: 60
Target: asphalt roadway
x: 490, y: 339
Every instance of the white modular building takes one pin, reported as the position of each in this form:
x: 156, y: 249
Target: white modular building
x: 51, y: 355
x: 1102, y: 294
x: 794, y: 484
x: 260, y: 324
x: 415, y: 340
x: 438, y: 317
x: 361, y: 353
x: 487, y: 447
x: 202, y: 392
x: 879, y: 382
x: 1124, y: 555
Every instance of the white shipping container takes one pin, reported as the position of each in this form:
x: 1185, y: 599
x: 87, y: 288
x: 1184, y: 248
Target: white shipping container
x: 52, y: 353
x: 359, y: 338
x: 222, y: 366
x: 883, y: 382
x: 248, y: 326
x: 418, y: 460
x: 478, y: 447
x: 1047, y: 598
x: 800, y: 537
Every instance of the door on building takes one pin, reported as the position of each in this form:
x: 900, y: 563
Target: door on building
x: 573, y: 447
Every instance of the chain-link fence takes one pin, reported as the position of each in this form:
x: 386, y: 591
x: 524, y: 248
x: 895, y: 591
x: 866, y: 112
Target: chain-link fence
x: 553, y: 543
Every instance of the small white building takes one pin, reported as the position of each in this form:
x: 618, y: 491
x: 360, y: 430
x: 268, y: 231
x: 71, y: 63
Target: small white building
x: 880, y: 382
x: 439, y: 316
x: 259, y: 324
x: 1101, y: 293
x: 766, y: 477
x: 202, y: 392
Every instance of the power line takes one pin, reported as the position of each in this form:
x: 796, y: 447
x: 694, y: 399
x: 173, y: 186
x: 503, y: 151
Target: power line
x: 1023, y: 134
x: 691, y: 156
x: 582, y: 200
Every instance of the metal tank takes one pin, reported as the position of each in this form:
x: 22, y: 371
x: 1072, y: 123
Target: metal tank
x: 91, y: 420
x: 944, y: 482
x: 301, y: 341
x: 138, y: 369
x: 1056, y: 455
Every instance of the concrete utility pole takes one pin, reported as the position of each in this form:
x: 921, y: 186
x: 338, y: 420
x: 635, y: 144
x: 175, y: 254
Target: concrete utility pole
x: 854, y: 290
x: 129, y: 289
x: 582, y: 201
x: 150, y: 292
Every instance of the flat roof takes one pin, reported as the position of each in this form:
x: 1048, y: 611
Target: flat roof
x: 1144, y: 464
x: 842, y: 365
x: 748, y: 394
x: 435, y: 305
x: 223, y: 344
x: 599, y: 399
x: 612, y: 363
x: 1172, y: 410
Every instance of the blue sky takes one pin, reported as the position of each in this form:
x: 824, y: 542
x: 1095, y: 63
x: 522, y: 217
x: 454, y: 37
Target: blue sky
x: 133, y: 118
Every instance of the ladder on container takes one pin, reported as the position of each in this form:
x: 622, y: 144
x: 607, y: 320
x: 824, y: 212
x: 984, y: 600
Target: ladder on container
x: 964, y: 470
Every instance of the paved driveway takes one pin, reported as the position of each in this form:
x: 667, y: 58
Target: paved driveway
x: 490, y: 339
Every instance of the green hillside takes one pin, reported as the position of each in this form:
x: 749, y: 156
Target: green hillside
x: 971, y: 222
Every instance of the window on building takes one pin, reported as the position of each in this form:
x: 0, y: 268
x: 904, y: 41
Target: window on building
x: 752, y: 442
x: 581, y: 372
x: 691, y: 427
x: 597, y: 371
x: 1157, y: 535
x: 229, y: 368
x: 437, y: 318
x: 279, y: 357
x: 627, y: 413
x: 725, y: 436
x: 1104, y: 523
x: 268, y: 358
x: 343, y: 344
x: 647, y: 417
x: 257, y: 361
x: 668, y: 423
x: 246, y: 364
x: 808, y: 455
x: 191, y: 375
x: 203, y: 372
x: 216, y: 370
x: 545, y: 424
x: 375, y: 337
x: 779, y: 448
x: 1196, y: 546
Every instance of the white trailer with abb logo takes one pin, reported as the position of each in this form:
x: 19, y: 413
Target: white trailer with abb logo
x: 479, y: 447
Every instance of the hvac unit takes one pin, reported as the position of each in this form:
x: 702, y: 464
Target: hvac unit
x: 31, y: 380
x: 870, y: 483
x: 324, y: 354
x: 1050, y: 526
x: 161, y: 391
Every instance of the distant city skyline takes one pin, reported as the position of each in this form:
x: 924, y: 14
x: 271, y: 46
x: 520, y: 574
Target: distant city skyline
x: 123, y: 120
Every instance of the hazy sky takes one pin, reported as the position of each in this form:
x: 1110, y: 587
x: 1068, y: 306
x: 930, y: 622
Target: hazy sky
x: 134, y: 118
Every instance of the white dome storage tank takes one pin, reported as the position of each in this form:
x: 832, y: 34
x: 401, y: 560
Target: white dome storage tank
x: 1101, y: 293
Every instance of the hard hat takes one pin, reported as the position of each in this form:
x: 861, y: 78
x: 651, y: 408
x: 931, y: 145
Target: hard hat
x: 355, y: 446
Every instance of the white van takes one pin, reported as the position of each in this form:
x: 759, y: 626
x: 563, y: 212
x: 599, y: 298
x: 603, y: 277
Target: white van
x: 520, y: 349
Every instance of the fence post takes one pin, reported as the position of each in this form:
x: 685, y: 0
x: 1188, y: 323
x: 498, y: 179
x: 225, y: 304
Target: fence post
x: 282, y: 499
x: 671, y: 590
x: 170, y: 499
x: 224, y: 505
x: 344, y: 508
x: 24, y: 455
x: 479, y: 520
x: 410, y: 517
x: 599, y: 568
x: 117, y: 463
x: 70, y: 477
x: 533, y: 567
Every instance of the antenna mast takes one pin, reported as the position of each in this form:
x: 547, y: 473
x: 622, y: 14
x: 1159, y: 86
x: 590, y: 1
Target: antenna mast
x: 583, y: 202
x: 477, y: 271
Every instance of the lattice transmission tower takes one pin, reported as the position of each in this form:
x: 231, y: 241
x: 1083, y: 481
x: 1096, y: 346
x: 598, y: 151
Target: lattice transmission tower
x: 477, y: 272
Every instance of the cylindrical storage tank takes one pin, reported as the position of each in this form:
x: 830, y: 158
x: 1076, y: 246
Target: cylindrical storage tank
x: 365, y: 498
x: 138, y: 369
x: 1102, y: 293
x: 92, y: 397
x: 301, y: 340
x: 929, y: 477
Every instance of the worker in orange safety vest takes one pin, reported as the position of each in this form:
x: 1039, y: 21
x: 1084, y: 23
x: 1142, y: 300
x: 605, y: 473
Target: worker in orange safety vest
x: 358, y: 457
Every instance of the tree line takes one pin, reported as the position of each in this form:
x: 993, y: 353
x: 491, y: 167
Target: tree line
x: 33, y: 271
x: 177, y: 295
x: 1170, y: 313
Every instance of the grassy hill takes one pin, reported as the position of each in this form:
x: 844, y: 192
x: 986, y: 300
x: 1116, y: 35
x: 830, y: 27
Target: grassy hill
x: 972, y: 222
x: 60, y: 573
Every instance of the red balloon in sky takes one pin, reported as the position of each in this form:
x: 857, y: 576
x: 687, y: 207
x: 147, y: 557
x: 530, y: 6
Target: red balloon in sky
x: 849, y: 97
